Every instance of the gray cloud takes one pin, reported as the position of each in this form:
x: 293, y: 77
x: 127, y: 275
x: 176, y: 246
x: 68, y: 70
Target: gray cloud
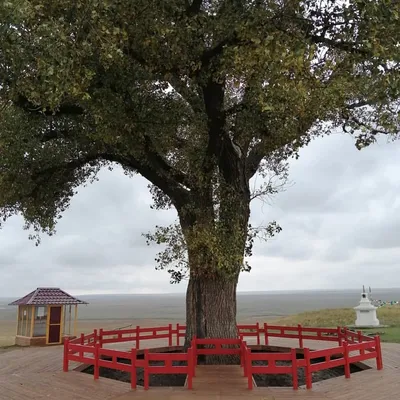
x: 340, y: 222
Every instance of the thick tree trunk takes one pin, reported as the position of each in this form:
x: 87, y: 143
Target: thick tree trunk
x: 211, y: 307
x: 216, y: 251
x: 211, y: 310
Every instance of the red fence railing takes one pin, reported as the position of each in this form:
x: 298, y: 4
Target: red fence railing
x: 265, y: 332
x: 216, y: 347
x: 168, y: 367
x: 271, y: 368
x: 333, y: 357
x: 110, y: 358
x: 88, y: 349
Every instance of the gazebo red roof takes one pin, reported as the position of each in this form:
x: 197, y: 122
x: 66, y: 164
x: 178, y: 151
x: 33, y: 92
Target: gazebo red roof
x: 47, y: 296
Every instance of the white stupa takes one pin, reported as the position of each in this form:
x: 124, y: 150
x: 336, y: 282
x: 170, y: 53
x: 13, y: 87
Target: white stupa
x: 366, y: 312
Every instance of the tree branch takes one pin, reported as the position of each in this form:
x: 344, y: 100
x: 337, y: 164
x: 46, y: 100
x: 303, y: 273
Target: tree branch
x: 161, y: 179
x: 151, y: 156
x: 158, y: 163
x: 373, y: 131
x: 194, y: 8
x: 288, y: 147
x: 215, y: 51
x: 346, y: 46
x: 190, y: 96
x: 254, y: 158
x: 64, y: 109
x: 175, y: 191
x: 358, y: 105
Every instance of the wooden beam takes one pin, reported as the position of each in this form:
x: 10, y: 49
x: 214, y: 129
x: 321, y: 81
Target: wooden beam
x: 61, y: 324
x: 25, y: 315
x: 48, y: 324
x: 32, y: 321
x: 18, y: 310
x: 69, y: 320
x: 75, y: 318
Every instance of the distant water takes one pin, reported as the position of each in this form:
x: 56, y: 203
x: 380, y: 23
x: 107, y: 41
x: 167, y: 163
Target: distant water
x: 261, y: 305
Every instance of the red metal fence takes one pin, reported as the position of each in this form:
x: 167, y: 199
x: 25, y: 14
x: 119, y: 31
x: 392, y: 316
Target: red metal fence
x: 351, y: 347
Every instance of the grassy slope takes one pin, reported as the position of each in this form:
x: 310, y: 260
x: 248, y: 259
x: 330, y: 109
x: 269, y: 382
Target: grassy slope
x: 7, y: 333
x: 346, y: 316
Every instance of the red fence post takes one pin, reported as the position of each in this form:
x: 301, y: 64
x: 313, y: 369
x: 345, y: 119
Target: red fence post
x: 65, y: 360
x: 346, y: 360
x: 96, y: 366
x: 146, y: 369
x: 307, y: 369
x: 94, y: 337
x: 300, y: 336
x: 170, y: 335
x: 190, y: 368
x: 295, y: 377
x: 193, y: 344
x: 193, y: 364
x: 137, y: 344
x: 245, y: 355
x: 133, y: 369
x: 177, y: 334
x: 345, y: 333
x: 101, y: 337
x: 359, y: 334
x: 258, y: 333
x: 241, y: 352
x: 249, y: 370
x: 266, y: 334
x: 379, y: 361
x: 82, y: 343
x: 339, y: 335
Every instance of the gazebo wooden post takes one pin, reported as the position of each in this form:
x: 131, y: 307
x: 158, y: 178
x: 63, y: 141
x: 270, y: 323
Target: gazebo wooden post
x: 69, y: 319
x: 75, y: 318
x: 18, y: 309
x: 32, y: 321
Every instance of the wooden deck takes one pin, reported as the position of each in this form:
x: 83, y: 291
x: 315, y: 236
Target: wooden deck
x: 35, y: 373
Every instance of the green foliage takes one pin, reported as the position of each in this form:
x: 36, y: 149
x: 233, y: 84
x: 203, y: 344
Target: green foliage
x: 174, y: 256
x: 196, y: 96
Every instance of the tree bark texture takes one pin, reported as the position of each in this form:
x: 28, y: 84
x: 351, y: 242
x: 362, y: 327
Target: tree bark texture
x: 211, y: 311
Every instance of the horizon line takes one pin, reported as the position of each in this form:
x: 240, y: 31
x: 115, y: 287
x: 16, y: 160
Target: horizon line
x: 238, y: 292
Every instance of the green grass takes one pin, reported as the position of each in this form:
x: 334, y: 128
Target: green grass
x: 7, y: 333
x: 388, y: 315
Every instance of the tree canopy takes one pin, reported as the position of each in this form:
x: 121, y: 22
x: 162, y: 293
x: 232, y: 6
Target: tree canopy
x: 196, y: 96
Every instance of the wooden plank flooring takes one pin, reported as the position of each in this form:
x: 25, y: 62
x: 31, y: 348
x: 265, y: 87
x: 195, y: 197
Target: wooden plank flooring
x: 36, y: 373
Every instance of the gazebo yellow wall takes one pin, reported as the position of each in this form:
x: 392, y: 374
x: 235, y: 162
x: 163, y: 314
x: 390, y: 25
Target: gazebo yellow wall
x: 26, y: 321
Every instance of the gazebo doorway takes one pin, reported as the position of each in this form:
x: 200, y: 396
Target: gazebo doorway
x: 54, y: 327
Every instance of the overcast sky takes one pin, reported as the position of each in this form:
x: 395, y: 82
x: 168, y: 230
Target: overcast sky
x: 340, y: 220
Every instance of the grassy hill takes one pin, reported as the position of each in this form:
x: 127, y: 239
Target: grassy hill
x: 387, y: 315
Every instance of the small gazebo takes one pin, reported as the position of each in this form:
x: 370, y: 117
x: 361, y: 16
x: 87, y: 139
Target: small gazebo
x: 45, y: 317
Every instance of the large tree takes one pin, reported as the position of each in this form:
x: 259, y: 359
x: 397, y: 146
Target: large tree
x: 196, y: 96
